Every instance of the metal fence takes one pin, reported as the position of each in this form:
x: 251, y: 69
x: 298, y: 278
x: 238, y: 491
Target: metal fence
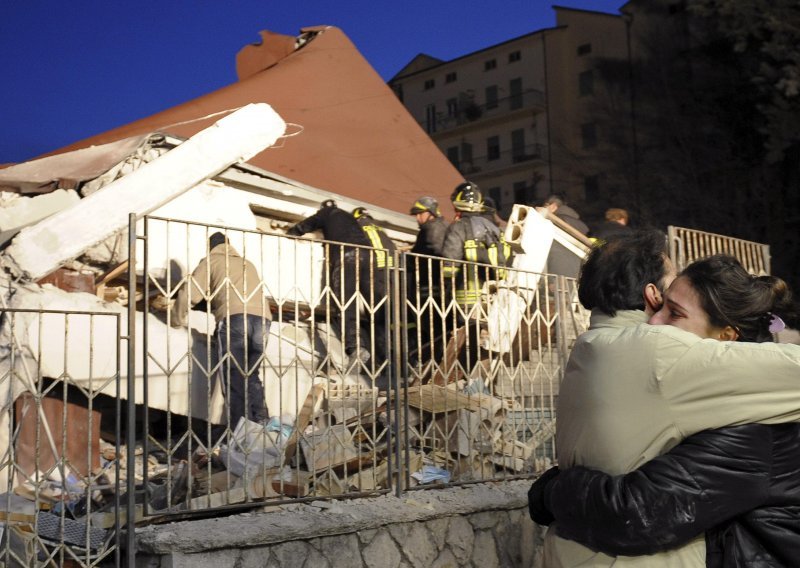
x: 380, y: 374
x: 688, y: 245
x: 62, y: 487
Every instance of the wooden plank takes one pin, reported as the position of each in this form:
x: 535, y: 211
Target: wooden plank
x: 102, y: 281
x: 571, y: 231
x: 450, y: 359
x: 304, y: 417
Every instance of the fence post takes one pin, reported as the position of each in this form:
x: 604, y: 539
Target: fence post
x: 130, y: 439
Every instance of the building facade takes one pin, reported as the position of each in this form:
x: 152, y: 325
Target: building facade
x: 519, y: 118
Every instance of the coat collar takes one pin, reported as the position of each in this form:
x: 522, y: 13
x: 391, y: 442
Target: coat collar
x: 623, y: 318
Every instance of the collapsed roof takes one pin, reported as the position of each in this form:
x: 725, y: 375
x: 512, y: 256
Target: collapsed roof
x: 354, y: 138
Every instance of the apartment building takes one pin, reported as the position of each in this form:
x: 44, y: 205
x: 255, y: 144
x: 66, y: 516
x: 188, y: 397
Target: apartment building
x: 519, y: 118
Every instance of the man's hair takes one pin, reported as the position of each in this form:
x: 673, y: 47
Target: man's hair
x: 615, y: 274
x: 616, y: 214
x: 216, y: 239
x: 556, y: 199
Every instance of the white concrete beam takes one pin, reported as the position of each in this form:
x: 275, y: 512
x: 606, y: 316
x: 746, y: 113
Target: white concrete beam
x: 41, y: 248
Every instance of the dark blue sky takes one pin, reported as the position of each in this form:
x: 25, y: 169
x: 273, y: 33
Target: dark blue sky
x: 74, y: 69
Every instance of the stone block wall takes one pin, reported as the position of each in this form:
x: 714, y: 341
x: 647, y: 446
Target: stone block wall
x: 484, y: 525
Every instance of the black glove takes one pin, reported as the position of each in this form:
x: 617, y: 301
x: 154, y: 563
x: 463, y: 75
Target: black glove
x: 294, y: 231
x: 537, y: 506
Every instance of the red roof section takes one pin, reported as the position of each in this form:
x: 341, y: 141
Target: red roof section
x: 352, y: 136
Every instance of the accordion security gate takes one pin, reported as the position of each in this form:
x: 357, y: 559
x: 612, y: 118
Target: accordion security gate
x: 376, y: 378
x: 62, y: 485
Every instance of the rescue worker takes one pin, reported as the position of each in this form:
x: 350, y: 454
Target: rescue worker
x: 425, y: 326
x: 230, y: 283
x: 432, y: 227
x: 383, y: 245
x: 348, y: 271
x: 384, y: 249
x: 475, y: 239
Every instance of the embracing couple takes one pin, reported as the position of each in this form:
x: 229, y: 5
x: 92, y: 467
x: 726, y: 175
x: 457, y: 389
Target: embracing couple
x: 678, y: 440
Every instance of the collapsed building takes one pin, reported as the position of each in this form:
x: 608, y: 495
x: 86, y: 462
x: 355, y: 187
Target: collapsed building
x: 112, y: 416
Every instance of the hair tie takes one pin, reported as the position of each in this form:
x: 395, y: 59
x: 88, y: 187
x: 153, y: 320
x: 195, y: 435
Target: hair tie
x: 776, y: 324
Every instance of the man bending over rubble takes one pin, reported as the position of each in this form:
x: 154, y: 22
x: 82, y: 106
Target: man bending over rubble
x: 232, y: 287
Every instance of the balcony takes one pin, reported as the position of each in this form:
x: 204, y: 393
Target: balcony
x: 503, y: 160
x: 471, y: 113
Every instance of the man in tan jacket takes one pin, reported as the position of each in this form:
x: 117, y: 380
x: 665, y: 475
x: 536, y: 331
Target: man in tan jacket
x: 233, y: 290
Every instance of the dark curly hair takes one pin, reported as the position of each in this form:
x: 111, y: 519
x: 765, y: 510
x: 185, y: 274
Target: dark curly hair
x: 732, y: 296
x: 614, y: 275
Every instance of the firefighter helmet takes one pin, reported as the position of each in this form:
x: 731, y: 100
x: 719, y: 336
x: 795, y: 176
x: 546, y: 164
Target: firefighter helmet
x: 428, y: 204
x: 467, y: 197
x: 359, y: 212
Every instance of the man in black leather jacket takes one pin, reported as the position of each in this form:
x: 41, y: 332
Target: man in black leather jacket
x: 739, y: 485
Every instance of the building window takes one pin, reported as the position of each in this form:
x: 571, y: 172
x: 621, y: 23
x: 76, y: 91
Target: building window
x: 586, y: 83
x: 452, y: 107
x: 493, y: 148
x: 430, y: 84
x: 451, y: 77
x: 515, y: 94
x: 585, y: 49
x: 514, y: 56
x: 430, y: 118
x: 490, y: 64
x: 589, y: 135
x: 452, y: 155
x: 491, y: 96
x: 518, y: 145
x: 591, y: 188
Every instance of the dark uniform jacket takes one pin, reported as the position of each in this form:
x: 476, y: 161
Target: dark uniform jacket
x: 740, y: 485
x: 425, y: 273
x: 336, y: 225
x: 380, y: 241
x: 430, y: 239
x: 610, y: 229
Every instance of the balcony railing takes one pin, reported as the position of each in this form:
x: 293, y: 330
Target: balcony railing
x: 503, y: 159
x: 470, y: 112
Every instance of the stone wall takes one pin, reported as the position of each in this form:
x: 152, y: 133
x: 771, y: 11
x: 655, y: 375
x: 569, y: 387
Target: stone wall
x: 484, y: 525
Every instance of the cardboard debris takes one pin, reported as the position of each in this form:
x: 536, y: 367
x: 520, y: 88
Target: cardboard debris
x: 331, y: 448
x: 437, y: 399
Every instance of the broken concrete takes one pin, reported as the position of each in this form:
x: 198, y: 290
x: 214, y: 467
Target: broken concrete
x: 18, y: 211
x: 40, y: 249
